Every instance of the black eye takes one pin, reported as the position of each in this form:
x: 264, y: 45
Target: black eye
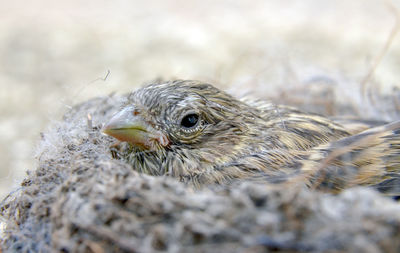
x: 190, y: 120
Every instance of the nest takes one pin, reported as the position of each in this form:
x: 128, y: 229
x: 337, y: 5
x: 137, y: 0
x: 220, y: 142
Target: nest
x: 80, y: 199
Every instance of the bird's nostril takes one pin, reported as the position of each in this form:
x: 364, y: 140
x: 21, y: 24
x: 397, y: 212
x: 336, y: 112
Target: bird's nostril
x: 136, y: 112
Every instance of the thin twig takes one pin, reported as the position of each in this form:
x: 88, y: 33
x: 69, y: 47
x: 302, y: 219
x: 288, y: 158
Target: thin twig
x: 385, y: 49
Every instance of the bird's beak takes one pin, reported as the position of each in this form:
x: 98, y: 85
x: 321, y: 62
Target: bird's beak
x: 128, y: 125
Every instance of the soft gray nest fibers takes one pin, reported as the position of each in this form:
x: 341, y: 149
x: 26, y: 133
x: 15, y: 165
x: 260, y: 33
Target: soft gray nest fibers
x: 79, y: 199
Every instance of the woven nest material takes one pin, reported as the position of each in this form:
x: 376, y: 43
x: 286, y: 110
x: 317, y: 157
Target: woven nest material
x: 80, y: 199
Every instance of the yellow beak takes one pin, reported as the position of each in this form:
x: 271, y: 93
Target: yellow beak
x: 129, y: 126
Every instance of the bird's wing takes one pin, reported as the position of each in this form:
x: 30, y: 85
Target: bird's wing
x: 370, y: 158
x: 355, y: 126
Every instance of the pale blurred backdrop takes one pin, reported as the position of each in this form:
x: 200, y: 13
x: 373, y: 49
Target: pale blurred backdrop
x: 54, y: 54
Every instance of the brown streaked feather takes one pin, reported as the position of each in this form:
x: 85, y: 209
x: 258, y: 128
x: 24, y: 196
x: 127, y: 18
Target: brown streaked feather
x: 370, y: 158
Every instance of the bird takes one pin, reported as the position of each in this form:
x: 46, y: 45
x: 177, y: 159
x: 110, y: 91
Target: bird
x: 201, y: 135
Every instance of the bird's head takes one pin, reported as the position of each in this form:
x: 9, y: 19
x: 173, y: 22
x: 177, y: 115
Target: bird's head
x: 191, y: 121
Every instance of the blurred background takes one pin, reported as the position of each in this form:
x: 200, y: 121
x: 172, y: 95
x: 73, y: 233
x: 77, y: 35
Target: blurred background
x: 54, y: 54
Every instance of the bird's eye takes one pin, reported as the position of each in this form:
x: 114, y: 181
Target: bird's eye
x: 190, y: 120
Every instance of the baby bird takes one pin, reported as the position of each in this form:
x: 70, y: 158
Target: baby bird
x: 202, y: 135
